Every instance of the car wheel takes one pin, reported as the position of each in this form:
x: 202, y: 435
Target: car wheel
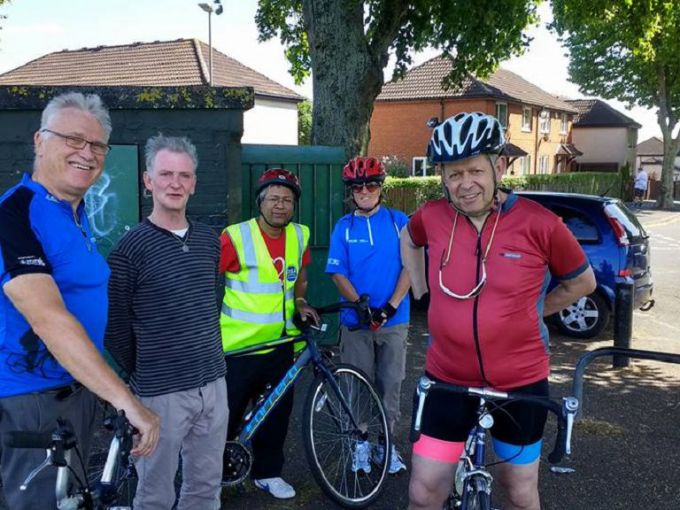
x: 585, y: 318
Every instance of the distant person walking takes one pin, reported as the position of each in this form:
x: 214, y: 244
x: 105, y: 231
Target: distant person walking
x: 640, y: 187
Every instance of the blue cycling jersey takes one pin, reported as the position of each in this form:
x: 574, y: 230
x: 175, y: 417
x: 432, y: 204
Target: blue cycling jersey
x: 40, y: 233
x: 365, y: 250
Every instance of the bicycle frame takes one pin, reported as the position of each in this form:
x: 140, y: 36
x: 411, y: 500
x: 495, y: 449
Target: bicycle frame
x: 311, y: 354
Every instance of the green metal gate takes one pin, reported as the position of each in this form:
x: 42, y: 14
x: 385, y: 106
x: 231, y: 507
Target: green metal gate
x: 319, y: 169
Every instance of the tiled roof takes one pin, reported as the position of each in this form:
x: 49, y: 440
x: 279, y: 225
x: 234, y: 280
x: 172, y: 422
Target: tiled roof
x: 597, y: 113
x: 181, y: 62
x: 650, y: 147
x: 425, y: 82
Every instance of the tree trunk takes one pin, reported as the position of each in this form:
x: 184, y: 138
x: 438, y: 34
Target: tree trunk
x: 667, y: 122
x: 343, y: 94
x: 670, y: 151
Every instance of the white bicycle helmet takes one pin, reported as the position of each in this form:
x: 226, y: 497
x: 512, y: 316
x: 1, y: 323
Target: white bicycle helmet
x: 465, y: 135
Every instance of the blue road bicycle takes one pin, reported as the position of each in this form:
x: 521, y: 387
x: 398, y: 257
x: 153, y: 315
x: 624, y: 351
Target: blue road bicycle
x: 473, y: 482
x: 342, y: 414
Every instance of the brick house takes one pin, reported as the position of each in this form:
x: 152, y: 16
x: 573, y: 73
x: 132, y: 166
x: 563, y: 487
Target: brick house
x: 178, y: 63
x: 606, y: 136
x: 537, y: 123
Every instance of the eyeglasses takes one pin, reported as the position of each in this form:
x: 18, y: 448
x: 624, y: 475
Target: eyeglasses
x: 370, y: 187
x: 76, y: 142
x: 285, y: 201
x: 477, y: 290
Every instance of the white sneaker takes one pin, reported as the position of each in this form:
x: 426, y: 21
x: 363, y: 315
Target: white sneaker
x: 361, y: 457
x: 396, y: 462
x: 277, y: 487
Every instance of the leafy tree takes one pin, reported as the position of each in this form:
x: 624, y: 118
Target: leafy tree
x: 346, y: 44
x: 3, y: 16
x: 628, y: 50
x: 305, y: 122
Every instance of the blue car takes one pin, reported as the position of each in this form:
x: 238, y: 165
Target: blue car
x: 617, y: 247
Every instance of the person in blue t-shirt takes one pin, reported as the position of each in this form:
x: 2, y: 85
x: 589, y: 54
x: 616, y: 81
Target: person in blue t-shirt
x: 364, y: 258
x: 53, y: 301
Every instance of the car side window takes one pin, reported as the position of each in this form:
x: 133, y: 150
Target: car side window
x: 583, y: 228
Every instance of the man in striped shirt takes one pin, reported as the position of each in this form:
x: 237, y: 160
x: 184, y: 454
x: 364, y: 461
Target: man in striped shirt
x: 164, y: 332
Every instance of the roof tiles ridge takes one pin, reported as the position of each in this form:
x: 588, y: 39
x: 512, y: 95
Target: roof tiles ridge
x: 253, y: 70
x: 205, y: 73
x: 110, y: 46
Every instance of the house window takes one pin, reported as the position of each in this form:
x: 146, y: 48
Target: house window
x: 526, y: 119
x: 563, y: 124
x: 544, y: 122
x: 543, y: 162
x: 526, y: 164
x: 419, y: 167
x: 502, y: 114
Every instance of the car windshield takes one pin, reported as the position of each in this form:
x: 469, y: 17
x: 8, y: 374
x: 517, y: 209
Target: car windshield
x: 628, y: 220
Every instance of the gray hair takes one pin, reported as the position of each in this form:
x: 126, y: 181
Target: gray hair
x: 180, y: 144
x: 90, y: 103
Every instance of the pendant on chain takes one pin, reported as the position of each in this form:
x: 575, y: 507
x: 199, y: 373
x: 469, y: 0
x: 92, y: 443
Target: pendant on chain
x: 185, y: 248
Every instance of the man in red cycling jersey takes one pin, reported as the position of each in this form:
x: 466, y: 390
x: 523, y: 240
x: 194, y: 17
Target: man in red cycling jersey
x: 491, y: 256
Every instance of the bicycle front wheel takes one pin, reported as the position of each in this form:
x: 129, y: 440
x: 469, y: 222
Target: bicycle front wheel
x: 346, y: 438
x: 478, y: 497
x: 122, y: 490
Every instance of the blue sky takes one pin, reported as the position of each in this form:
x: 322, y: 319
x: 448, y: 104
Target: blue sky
x: 37, y: 27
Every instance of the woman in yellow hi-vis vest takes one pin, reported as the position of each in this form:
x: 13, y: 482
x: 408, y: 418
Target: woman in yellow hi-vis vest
x: 264, y: 262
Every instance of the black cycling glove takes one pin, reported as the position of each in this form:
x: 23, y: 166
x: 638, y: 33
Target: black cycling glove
x: 381, y: 315
x: 363, y: 311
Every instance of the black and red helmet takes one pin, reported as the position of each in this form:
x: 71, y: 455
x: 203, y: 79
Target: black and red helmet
x: 360, y: 170
x: 279, y: 177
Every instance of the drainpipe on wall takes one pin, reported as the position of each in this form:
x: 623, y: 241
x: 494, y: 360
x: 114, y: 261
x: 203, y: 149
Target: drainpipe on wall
x: 537, y: 142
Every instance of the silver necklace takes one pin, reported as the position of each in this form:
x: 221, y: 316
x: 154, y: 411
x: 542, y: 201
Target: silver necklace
x: 182, y: 240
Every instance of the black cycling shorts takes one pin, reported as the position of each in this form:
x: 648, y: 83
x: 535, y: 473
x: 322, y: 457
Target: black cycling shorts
x: 451, y: 416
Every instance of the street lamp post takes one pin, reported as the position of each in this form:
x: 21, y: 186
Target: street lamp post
x: 208, y: 8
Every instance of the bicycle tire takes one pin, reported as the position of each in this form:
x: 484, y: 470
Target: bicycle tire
x: 330, y: 438
x: 478, y: 497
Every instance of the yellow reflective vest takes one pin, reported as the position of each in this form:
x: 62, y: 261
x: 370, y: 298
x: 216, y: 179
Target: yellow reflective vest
x: 258, y: 306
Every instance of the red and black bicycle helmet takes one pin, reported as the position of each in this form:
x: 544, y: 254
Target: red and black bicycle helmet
x: 361, y: 170
x: 280, y: 177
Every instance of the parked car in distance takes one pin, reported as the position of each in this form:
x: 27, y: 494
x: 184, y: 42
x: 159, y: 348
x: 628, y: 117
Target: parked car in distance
x: 617, y: 247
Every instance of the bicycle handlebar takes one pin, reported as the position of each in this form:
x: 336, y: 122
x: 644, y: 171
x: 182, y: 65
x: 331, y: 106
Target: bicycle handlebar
x: 564, y: 412
x: 360, y: 307
x: 19, y: 439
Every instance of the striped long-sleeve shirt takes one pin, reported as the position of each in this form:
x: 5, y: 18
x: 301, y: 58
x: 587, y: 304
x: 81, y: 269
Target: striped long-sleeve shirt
x: 163, y: 324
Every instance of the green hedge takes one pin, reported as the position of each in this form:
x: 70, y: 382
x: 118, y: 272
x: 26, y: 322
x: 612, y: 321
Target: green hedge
x: 407, y: 194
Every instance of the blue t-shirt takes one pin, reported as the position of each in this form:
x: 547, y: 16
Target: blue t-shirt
x: 39, y: 234
x: 365, y: 250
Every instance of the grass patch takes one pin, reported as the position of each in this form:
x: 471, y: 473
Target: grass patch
x: 598, y: 428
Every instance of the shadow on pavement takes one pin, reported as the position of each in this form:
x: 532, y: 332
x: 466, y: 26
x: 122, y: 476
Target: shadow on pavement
x: 626, y: 451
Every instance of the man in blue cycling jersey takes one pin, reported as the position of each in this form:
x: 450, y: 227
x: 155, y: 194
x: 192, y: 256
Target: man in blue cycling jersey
x: 53, y: 301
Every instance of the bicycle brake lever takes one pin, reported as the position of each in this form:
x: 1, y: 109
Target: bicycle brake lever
x: 422, y: 388
x: 47, y: 462
x: 570, y: 405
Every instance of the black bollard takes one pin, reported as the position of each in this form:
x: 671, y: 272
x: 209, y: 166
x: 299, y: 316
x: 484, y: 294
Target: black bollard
x: 623, y: 321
